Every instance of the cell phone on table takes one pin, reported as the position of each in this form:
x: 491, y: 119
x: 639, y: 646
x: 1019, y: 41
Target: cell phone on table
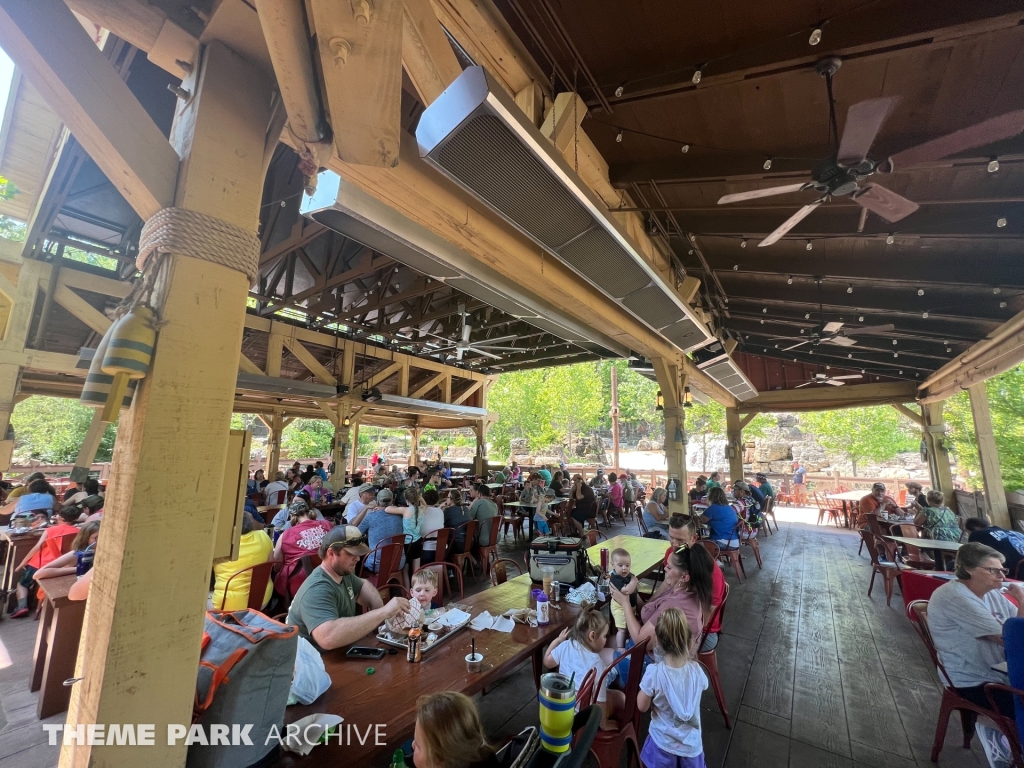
x: 365, y: 652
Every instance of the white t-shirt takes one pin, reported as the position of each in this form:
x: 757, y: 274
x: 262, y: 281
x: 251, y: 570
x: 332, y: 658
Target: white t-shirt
x: 675, y: 706
x: 354, y: 508
x: 574, y: 657
x: 352, y: 494
x: 957, y: 618
x: 431, y: 518
x: 274, y: 487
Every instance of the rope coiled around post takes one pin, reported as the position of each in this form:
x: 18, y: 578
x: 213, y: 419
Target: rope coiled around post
x: 178, y: 230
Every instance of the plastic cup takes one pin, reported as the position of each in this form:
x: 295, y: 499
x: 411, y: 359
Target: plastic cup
x: 474, y: 662
x: 548, y: 576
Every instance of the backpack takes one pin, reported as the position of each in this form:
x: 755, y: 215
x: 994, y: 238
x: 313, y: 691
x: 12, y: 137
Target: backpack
x: 628, y: 493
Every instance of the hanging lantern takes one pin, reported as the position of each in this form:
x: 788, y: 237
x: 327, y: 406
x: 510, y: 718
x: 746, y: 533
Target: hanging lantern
x: 128, y: 354
x: 661, y: 402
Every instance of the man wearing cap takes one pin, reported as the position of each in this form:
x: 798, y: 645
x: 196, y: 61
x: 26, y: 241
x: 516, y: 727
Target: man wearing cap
x: 378, y: 525
x: 764, y: 486
x: 877, y: 501
x: 356, y: 509
x: 324, y: 608
x: 599, y: 480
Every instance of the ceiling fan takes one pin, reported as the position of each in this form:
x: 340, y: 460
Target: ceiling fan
x: 824, y: 378
x: 845, y: 170
x: 480, y: 347
x: 835, y: 333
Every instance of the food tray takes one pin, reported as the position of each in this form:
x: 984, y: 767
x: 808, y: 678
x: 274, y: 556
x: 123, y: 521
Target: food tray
x: 402, y: 641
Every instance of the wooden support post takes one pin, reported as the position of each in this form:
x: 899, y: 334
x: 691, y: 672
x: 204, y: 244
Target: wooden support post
x: 933, y: 432
x: 276, y: 427
x: 91, y: 444
x: 140, y: 646
x: 734, y: 446
x: 354, y: 459
x: 342, y: 445
x: 615, y: 417
x: 668, y: 374
x: 414, y: 449
x: 480, y: 459
x: 988, y: 454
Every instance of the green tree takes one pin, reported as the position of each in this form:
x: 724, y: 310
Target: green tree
x: 51, y: 430
x: 308, y: 438
x: 572, y: 399
x: 1006, y: 404
x: 515, y: 397
x: 877, y: 433
x: 12, y: 229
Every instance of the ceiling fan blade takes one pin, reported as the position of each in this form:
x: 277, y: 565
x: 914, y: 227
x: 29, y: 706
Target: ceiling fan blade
x: 853, y: 330
x: 807, y: 341
x: 833, y: 382
x: 852, y: 376
x: 987, y: 132
x: 885, y: 202
x: 840, y: 341
x: 832, y: 327
x: 495, y: 340
x: 791, y: 222
x: 863, y: 121
x: 479, y: 351
x: 756, y: 193
x: 805, y: 384
x: 500, y: 349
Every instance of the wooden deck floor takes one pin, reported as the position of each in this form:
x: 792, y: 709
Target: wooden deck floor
x: 816, y: 674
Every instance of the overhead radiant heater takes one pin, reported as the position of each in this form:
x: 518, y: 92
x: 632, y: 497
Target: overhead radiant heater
x: 476, y: 135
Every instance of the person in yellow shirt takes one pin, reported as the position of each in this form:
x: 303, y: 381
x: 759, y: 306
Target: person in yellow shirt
x: 254, y: 547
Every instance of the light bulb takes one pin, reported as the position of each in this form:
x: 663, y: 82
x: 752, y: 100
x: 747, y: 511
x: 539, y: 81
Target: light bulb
x: 776, y: 346
x: 895, y: 354
x: 1002, y: 305
x: 789, y: 281
x: 890, y: 240
x: 735, y: 267
x: 862, y: 370
x: 949, y: 349
x: 618, y: 137
x: 924, y: 315
x: 901, y: 373
x: 920, y: 291
x: 993, y: 165
x: 767, y: 164
x: 849, y: 356
x: 894, y: 342
x: 815, y: 37
x: 1001, y: 222
x: 849, y: 289
x: 828, y: 367
x: 764, y: 311
x: 996, y: 291
x: 685, y: 148
x: 807, y: 316
x: 810, y: 245
x: 860, y: 319
x: 696, y: 76
x: 618, y: 91
x: 762, y: 321
x: 743, y: 243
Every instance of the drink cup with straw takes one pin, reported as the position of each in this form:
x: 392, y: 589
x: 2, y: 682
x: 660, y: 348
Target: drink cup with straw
x: 474, y: 661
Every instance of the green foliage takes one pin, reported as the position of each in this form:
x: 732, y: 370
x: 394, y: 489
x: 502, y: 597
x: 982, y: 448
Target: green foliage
x: 1006, y: 404
x: 12, y: 229
x: 308, y: 438
x: 7, y: 189
x: 877, y: 433
x: 94, y: 259
x: 51, y: 430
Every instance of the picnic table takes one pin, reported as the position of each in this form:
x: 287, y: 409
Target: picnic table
x: 60, y: 629
x: 388, y: 696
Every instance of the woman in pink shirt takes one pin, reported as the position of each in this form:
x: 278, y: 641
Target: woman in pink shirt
x: 302, y: 539
x: 615, y: 503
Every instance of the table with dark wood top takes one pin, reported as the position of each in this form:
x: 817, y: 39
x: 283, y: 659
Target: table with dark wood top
x: 14, y: 545
x: 60, y: 629
x: 934, y: 546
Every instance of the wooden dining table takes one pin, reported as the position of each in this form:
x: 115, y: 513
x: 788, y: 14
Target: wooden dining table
x: 388, y: 695
x: 934, y: 546
x: 528, y: 511
x: 14, y: 545
x: 60, y: 629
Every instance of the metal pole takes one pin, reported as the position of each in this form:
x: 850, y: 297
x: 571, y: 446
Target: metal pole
x: 615, y: 417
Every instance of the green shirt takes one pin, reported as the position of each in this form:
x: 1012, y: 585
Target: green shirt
x: 714, y: 484
x: 320, y: 599
x: 940, y: 523
x: 545, y: 474
x: 766, y: 488
x: 499, y: 477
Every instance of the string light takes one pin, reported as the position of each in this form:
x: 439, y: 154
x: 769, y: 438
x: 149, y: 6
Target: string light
x: 619, y: 91
x: 993, y: 165
x: 894, y: 342
x: 1001, y: 222
x: 1002, y: 305
x: 996, y: 291
x: 618, y: 137
x: 735, y: 267
x: 920, y: 291
x: 767, y: 164
x: 860, y: 319
x: 764, y: 311
x: 790, y: 280
x: 949, y: 349
x: 810, y: 246
x: 815, y: 37
x: 685, y: 148
x: 849, y: 289
x: 696, y: 75
x: 807, y: 316
x: 890, y: 239
x: 924, y: 315
x: 895, y: 354
x: 849, y: 356
x: 743, y: 243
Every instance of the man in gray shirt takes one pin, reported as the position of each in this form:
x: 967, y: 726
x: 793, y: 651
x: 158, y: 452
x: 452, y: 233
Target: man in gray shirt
x: 484, y: 510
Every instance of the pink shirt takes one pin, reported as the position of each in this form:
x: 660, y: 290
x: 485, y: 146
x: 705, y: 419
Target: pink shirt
x: 297, y: 542
x: 685, y: 601
x: 615, y: 494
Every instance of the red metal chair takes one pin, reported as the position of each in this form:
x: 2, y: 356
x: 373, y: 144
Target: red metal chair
x: 585, y: 693
x: 731, y: 557
x: 710, y: 658
x: 914, y: 557
x: 484, y: 553
x: 444, y: 538
x: 389, y: 563
x: 953, y: 701
x: 769, y: 515
x: 592, y: 537
x: 890, y: 571
x: 460, y: 559
x: 259, y: 578
x: 748, y: 538
x: 499, y: 569
x: 608, y: 745
x: 510, y: 518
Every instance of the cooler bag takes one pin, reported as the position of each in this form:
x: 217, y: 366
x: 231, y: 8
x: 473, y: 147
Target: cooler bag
x: 245, y: 674
x: 567, y: 555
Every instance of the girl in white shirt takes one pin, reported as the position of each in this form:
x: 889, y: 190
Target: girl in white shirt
x: 431, y: 519
x: 579, y: 649
x: 671, y: 689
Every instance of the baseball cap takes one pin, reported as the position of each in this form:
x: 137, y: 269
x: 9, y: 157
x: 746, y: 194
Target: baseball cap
x: 877, y: 486
x: 760, y: 476
x: 740, y: 485
x: 365, y: 488
x: 600, y: 471
x: 385, y: 496
x: 351, y: 539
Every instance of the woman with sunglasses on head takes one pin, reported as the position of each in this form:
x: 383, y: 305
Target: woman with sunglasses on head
x: 687, y: 586
x: 965, y: 619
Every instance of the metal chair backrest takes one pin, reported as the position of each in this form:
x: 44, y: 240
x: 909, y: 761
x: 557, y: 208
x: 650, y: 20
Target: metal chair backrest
x: 259, y: 577
x: 630, y: 713
x: 398, y: 538
x: 584, y: 727
x: 713, y: 549
x: 444, y: 537
x: 918, y: 613
x: 499, y: 568
x: 585, y: 693
x: 641, y: 523
x: 717, y: 611
x: 495, y: 530
x: 67, y: 542
x: 388, y: 560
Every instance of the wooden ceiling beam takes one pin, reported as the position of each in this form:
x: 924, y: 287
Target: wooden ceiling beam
x: 423, y: 287
x: 427, y: 56
x: 49, y: 44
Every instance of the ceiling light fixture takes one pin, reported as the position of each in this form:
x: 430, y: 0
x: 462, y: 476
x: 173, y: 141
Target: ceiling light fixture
x: 1001, y: 222
x: 659, y: 402
x: 815, y: 37
x: 920, y: 291
x: 618, y: 137
x: 762, y: 321
x: 687, y: 398
x: 901, y: 373
x: 685, y: 148
x: 767, y: 164
x: 696, y: 75
x: 993, y: 165
x: 895, y: 354
x: 890, y: 239
x: 619, y: 90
